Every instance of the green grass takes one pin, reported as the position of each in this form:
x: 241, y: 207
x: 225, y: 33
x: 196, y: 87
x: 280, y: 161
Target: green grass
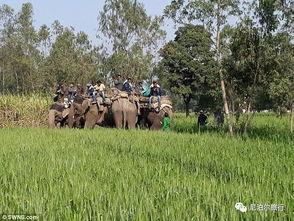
x: 108, y: 174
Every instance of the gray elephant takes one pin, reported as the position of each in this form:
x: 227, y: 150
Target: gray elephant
x: 84, y: 114
x: 125, y: 113
x: 58, y: 115
x: 153, y: 119
x: 76, y: 116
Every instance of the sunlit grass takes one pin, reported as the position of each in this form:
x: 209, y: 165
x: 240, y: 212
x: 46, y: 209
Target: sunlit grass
x: 109, y: 174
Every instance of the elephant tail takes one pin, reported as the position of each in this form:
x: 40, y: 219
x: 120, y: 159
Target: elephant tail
x: 124, y: 110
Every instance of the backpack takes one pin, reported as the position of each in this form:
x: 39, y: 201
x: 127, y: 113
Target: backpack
x: 147, y: 93
x: 147, y: 90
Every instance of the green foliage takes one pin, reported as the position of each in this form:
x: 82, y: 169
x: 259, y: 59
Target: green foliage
x: 242, y: 66
x: 204, y: 11
x: 35, y: 61
x: 72, y: 58
x: 188, y: 63
x: 281, y: 70
x: 133, y: 36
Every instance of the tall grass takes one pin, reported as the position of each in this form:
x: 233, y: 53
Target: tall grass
x: 29, y: 111
x: 108, y: 174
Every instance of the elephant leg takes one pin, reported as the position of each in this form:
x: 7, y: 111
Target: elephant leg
x: 132, y: 123
x: 118, y: 119
x: 51, y: 119
x: 71, y: 117
x: 132, y: 119
x: 91, y: 117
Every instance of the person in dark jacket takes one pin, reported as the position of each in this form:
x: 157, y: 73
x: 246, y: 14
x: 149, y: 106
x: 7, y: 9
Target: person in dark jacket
x: 155, y: 91
x: 71, y: 92
x: 128, y: 86
x: 92, y: 93
x: 202, y: 119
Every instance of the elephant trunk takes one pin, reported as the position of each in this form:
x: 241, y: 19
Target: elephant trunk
x: 102, y: 116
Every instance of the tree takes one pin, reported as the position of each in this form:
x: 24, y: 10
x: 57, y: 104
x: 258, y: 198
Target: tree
x: 214, y: 15
x: 134, y: 37
x: 189, y: 63
x: 277, y: 21
x: 72, y: 58
x: 243, y: 67
x: 281, y: 84
x: 6, y: 30
x: 19, y: 46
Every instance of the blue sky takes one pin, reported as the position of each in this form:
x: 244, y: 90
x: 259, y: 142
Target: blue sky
x: 81, y: 14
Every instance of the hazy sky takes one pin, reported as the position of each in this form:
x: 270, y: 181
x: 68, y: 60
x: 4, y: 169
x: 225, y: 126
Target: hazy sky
x: 81, y: 14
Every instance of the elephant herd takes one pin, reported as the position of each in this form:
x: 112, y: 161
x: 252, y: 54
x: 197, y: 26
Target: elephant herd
x: 119, y: 110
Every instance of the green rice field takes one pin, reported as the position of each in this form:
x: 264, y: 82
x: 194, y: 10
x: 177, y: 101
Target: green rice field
x: 109, y: 174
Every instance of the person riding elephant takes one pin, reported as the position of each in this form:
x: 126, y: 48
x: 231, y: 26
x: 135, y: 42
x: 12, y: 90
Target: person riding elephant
x: 128, y: 86
x: 118, y: 82
x: 77, y: 110
x: 57, y: 115
x: 155, y: 91
x: 86, y: 114
x: 71, y: 92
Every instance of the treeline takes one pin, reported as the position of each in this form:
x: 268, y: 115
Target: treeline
x: 252, y: 65
x: 35, y: 60
x: 227, y: 54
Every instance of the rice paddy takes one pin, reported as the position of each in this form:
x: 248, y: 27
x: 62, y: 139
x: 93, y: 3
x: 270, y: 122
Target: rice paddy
x: 109, y: 174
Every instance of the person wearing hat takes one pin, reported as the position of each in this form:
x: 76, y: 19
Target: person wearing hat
x: 155, y: 91
x: 202, y: 119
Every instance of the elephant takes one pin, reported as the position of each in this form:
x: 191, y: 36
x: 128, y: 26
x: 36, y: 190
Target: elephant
x: 153, y: 119
x: 76, y: 117
x: 124, y: 113
x: 58, y: 115
x: 84, y: 114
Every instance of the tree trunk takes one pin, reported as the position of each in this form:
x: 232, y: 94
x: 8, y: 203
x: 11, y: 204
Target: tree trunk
x: 223, y: 87
x: 187, y: 108
x: 226, y: 106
